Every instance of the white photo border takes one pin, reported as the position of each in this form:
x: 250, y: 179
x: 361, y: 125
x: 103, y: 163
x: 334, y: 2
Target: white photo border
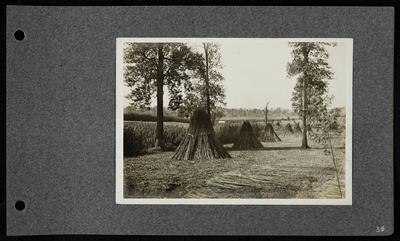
x: 119, y: 162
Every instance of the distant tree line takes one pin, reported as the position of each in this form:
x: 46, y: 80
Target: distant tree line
x: 243, y: 112
x: 220, y: 112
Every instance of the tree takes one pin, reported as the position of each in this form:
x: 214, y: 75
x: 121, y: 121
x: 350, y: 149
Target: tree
x: 207, y: 52
x: 310, y: 66
x: 269, y: 134
x: 151, y: 66
x: 326, y: 125
x: 266, y: 113
x: 205, y: 90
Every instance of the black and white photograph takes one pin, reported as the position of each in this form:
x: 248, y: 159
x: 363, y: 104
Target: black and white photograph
x: 237, y: 120
x: 258, y: 121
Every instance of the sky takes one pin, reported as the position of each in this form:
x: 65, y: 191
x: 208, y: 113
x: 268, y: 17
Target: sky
x: 255, y: 72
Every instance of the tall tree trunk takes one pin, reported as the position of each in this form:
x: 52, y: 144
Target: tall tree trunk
x: 304, y: 143
x: 207, y: 80
x: 160, y: 94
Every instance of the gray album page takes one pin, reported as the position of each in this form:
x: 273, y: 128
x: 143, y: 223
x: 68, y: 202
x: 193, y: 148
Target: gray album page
x: 199, y: 120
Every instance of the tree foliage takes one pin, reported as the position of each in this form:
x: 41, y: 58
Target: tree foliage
x: 151, y: 66
x: 196, y: 91
x: 310, y: 63
x: 140, y: 71
x: 311, y: 68
x: 184, y: 74
x: 325, y: 125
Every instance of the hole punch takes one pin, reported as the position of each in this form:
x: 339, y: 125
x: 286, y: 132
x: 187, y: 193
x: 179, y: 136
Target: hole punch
x: 19, y: 205
x: 19, y: 35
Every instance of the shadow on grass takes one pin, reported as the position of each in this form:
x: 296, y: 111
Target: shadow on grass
x: 152, y: 150
x: 277, y: 148
x: 268, y: 148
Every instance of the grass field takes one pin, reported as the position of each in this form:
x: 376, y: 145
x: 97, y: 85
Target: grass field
x: 280, y: 170
x: 137, y: 116
x: 139, y: 136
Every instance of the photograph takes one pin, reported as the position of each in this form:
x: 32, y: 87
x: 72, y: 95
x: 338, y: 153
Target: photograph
x: 234, y: 121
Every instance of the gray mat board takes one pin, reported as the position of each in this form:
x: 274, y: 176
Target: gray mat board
x: 61, y: 119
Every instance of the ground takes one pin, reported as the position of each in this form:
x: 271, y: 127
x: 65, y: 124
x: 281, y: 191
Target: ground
x: 280, y: 170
